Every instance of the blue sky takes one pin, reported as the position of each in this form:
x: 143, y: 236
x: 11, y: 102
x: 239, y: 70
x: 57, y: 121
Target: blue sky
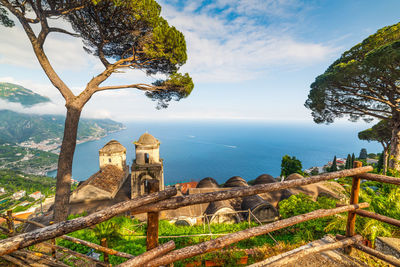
x: 249, y: 59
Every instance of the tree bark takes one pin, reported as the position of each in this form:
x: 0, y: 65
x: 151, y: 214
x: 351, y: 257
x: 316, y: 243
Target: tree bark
x: 287, y: 259
x: 379, y: 178
x: 64, y: 171
x: 148, y: 256
x: 388, y: 258
x: 385, y: 159
x: 394, y: 162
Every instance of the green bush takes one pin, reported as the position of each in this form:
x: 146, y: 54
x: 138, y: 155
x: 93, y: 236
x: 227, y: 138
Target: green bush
x: 301, y: 204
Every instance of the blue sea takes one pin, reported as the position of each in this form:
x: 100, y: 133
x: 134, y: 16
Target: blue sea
x: 194, y: 150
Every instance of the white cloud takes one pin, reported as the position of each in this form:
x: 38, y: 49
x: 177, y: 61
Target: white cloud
x: 64, y: 52
x: 221, y: 49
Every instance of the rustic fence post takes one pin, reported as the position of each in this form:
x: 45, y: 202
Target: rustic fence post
x: 248, y: 217
x: 152, y: 217
x: 103, y: 242
x: 10, y: 222
x: 53, y: 242
x: 351, y: 218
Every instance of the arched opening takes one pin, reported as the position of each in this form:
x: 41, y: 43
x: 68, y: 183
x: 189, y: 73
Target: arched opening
x: 143, y: 184
x: 146, y: 158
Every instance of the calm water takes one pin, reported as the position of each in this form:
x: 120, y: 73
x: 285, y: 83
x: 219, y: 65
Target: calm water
x: 194, y: 150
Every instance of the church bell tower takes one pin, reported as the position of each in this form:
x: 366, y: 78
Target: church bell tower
x: 147, y: 164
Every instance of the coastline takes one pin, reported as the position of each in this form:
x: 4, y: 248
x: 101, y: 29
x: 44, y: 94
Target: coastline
x: 44, y: 171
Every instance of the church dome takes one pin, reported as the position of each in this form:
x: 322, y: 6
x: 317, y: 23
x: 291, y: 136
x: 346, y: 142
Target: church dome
x: 294, y: 176
x: 265, y: 179
x: 113, y: 147
x: 207, y: 182
x: 147, y: 139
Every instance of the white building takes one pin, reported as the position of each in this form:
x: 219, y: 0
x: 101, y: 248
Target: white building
x: 36, y: 195
x: 2, y: 190
x: 19, y: 194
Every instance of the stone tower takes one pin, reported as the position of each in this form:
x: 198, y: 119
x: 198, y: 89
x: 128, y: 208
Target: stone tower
x: 113, y: 153
x: 147, y: 164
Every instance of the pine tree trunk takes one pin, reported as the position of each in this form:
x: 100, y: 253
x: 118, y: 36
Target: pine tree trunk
x: 64, y: 172
x: 395, y: 144
x: 385, y: 160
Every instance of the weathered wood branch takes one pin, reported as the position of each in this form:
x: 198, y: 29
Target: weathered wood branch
x: 181, y: 201
x: 379, y: 178
x: 378, y: 217
x: 29, y: 221
x: 291, y: 258
x: 109, y: 251
x: 37, y: 236
x: 74, y: 253
x: 149, y: 255
x: 15, y: 261
x: 226, y: 240
x: 82, y: 242
x: 388, y: 258
x: 35, y: 257
x: 5, y: 230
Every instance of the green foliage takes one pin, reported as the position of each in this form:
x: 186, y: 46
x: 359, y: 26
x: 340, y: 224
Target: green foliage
x: 363, y: 153
x: 290, y: 165
x: 135, y: 32
x: 356, y: 85
x: 300, y: 204
x: 14, y: 181
x: 177, y: 86
x: 334, y: 167
x: 349, y: 163
x: 107, y: 229
x: 4, y: 19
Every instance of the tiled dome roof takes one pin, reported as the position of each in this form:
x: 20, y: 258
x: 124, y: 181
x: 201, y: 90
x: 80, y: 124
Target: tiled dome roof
x: 147, y: 139
x: 112, y: 147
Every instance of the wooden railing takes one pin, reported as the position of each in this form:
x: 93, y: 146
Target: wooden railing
x: 165, y: 200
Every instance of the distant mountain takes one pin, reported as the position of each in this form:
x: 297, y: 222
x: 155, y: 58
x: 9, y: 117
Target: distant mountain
x: 19, y: 127
x: 18, y: 94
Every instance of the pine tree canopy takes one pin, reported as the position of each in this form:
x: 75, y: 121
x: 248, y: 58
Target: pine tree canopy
x: 380, y: 132
x: 362, y: 83
x: 4, y: 20
x: 123, y: 34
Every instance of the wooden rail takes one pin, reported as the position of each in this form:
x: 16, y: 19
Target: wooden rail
x: 379, y: 178
x: 74, y: 253
x: 146, y: 257
x: 226, y: 240
x: 37, y: 236
x: 378, y: 217
x: 390, y: 259
x: 181, y: 201
x: 293, y: 257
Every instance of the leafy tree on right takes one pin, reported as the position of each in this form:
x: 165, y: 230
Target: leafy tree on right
x: 380, y: 132
x: 290, y: 165
x: 363, y: 83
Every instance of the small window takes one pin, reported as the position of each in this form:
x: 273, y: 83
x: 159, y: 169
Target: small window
x: 146, y: 158
x: 109, y: 160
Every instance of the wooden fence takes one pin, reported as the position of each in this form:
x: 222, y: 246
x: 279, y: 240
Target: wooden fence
x: 12, y: 248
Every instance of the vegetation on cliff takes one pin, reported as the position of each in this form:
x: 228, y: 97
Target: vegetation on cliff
x: 19, y: 94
